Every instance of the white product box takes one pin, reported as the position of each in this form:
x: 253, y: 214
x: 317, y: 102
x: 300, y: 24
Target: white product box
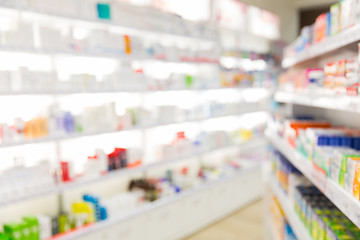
x: 45, y: 227
x: 348, y: 13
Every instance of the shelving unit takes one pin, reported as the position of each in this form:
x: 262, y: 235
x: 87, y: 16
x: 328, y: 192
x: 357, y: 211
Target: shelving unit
x: 98, y: 54
x: 125, y: 172
x: 196, y: 207
x: 326, y: 101
x: 330, y: 44
x: 300, y: 231
x: 141, y: 91
x: 323, y: 102
x: 157, y: 205
x: 136, y: 128
x: 105, y: 23
x: 341, y: 199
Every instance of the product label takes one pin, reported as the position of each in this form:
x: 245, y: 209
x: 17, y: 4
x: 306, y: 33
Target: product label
x: 318, y: 177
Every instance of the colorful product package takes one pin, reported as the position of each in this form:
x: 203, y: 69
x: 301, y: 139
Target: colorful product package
x: 320, y: 28
x: 33, y: 225
x: 14, y: 231
x: 335, y: 18
x: 4, y: 237
x: 104, y: 11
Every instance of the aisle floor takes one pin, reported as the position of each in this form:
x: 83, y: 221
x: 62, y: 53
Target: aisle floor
x: 246, y: 224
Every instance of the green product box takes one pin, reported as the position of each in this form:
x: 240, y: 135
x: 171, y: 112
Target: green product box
x: 34, y: 227
x: 14, y: 231
x: 335, y: 18
x: 342, y: 179
x: 104, y: 11
x: 26, y: 230
x: 4, y: 237
x: 64, y: 225
x: 344, y: 161
x: 189, y: 81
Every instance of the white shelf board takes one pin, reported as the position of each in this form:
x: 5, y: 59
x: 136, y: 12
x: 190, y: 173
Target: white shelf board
x: 95, y: 133
x: 149, y: 207
x: 327, y: 101
x: 338, y: 196
x: 330, y: 44
x: 125, y: 172
x: 140, y: 91
x: 298, y: 227
x: 101, y: 54
x: 103, y: 23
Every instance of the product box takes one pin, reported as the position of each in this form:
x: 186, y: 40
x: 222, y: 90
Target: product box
x: 335, y: 18
x: 328, y: 24
x: 14, y: 231
x: 4, y: 237
x: 353, y: 168
x: 348, y: 13
x: 320, y: 28
x: 44, y: 226
x: 33, y: 227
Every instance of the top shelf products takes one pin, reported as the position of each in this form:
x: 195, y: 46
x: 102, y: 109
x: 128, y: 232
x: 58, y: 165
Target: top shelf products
x: 331, y: 31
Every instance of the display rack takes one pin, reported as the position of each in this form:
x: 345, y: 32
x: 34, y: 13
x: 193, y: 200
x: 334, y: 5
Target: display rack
x: 220, y: 190
x: 327, y: 101
x: 135, y: 128
x: 105, y: 24
x: 341, y: 199
x: 300, y: 231
x: 152, y: 207
x: 330, y: 44
x: 141, y: 91
x: 125, y: 172
x: 112, y: 55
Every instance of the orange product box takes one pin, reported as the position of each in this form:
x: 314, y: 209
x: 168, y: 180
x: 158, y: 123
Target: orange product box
x: 356, y: 189
x: 293, y: 128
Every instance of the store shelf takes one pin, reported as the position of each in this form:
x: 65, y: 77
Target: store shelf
x: 98, y: 23
x: 270, y: 230
x: 327, y: 101
x: 96, y: 133
x: 298, y: 227
x: 341, y: 199
x: 140, y: 90
x: 104, y: 54
x: 330, y: 44
x: 149, y: 207
x: 125, y: 172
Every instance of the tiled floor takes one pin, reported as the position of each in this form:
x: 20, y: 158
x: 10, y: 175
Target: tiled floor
x: 246, y: 224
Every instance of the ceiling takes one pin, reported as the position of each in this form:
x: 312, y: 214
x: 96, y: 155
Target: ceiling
x: 312, y: 3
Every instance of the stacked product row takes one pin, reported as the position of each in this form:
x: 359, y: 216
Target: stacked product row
x: 249, y: 69
x: 77, y: 44
x: 119, y: 13
x: 343, y: 15
x: 322, y: 219
x: 57, y: 122
x: 333, y: 150
x: 337, y: 77
x: 21, y: 180
x: 92, y: 208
